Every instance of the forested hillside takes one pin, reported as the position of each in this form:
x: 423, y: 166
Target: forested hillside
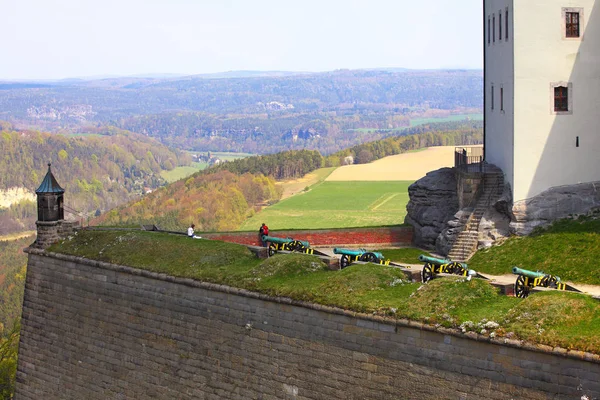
x: 99, y: 172
x: 13, y: 264
x: 217, y: 201
x: 256, y: 114
x: 222, y: 196
x: 447, y: 134
x: 285, y: 165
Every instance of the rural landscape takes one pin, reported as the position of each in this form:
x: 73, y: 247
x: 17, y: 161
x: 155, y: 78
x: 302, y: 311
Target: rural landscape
x: 282, y: 220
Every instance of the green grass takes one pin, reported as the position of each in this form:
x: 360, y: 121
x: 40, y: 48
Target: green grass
x: 407, y: 255
x: 553, y: 318
x: 338, y: 205
x: 569, y: 249
x: 182, y: 172
x: 422, y: 121
x: 451, y: 118
x: 227, y: 156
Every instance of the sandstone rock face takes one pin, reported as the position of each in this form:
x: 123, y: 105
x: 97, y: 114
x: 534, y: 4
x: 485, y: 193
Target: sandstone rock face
x: 552, y: 204
x: 495, y: 223
x: 453, y: 227
x: 433, y: 201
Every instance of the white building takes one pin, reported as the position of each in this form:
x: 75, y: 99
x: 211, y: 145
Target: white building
x: 542, y: 92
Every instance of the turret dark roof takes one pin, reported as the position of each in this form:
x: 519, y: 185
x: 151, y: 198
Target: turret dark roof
x: 49, y: 184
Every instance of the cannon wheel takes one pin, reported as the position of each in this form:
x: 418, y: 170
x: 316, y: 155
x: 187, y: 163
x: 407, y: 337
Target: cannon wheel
x: 296, y: 246
x: 368, y: 257
x: 427, y: 273
x: 344, y: 262
x: 521, y: 289
x: 272, y: 249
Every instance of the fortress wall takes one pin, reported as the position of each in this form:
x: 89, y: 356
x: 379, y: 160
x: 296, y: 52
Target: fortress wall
x: 386, y: 236
x: 92, y: 330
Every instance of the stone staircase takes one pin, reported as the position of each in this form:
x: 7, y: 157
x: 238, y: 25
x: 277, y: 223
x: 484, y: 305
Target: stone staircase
x: 466, y: 242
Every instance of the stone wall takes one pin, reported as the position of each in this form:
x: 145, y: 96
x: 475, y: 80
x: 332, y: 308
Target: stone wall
x: 386, y: 236
x: 92, y: 330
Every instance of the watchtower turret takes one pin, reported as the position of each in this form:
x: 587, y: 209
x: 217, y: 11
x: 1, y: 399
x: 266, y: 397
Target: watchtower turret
x: 50, y: 211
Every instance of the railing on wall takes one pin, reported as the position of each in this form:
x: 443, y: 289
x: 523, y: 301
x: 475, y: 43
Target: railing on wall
x: 469, y: 159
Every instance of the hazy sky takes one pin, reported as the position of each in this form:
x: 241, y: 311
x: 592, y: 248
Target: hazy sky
x: 75, y: 38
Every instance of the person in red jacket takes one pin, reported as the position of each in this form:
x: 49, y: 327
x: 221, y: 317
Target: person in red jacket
x: 263, y: 231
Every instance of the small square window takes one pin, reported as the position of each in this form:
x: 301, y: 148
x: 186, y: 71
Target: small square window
x: 561, y: 99
x: 572, y: 23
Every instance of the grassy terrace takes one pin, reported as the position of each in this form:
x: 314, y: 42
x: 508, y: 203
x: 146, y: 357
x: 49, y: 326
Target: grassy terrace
x: 338, y: 205
x: 569, y: 249
x: 557, y: 319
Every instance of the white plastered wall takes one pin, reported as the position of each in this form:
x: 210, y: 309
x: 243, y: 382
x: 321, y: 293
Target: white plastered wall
x: 545, y: 152
x: 499, y: 73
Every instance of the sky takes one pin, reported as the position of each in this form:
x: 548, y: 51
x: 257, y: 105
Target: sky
x: 56, y: 39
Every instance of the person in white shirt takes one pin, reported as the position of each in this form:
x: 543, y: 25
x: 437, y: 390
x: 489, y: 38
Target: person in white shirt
x: 191, y: 232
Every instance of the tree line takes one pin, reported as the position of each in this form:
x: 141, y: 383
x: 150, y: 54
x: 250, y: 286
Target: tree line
x: 216, y: 201
x: 99, y: 171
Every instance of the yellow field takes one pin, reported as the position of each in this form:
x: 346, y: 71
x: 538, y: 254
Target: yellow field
x: 296, y: 186
x: 401, y: 167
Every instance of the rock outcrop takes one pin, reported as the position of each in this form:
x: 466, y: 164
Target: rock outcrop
x: 433, y: 201
x: 453, y: 227
x: 552, y: 204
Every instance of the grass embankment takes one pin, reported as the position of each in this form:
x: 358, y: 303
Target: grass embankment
x: 182, y: 172
x: 569, y: 249
x: 338, y: 205
x: 552, y: 318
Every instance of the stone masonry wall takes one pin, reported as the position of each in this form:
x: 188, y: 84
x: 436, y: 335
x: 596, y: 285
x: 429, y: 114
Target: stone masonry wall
x: 387, y: 236
x: 92, y: 330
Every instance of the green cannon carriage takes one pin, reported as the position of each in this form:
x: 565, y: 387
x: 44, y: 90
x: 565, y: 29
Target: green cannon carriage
x: 435, y: 266
x: 527, y: 280
x: 349, y: 256
x: 288, y: 244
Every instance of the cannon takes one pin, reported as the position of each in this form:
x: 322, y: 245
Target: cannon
x: 349, y: 256
x: 529, y: 279
x: 287, y: 244
x: 435, y: 266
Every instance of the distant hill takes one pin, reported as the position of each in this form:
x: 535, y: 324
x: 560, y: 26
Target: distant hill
x: 99, y: 171
x: 249, y: 111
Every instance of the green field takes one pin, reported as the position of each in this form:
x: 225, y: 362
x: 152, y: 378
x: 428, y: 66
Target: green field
x: 338, y: 205
x: 226, y: 156
x: 451, y: 118
x: 422, y: 121
x: 185, y: 171
x: 182, y: 172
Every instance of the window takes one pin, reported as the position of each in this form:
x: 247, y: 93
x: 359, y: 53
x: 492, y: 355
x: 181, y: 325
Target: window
x: 572, y: 23
x: 494, y: 28
x: 501, y: 99
x: 506, y: 23
x: 561, y: 98
x: 500, y: 26
x: 489, y: 30
x: 492, y: 99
